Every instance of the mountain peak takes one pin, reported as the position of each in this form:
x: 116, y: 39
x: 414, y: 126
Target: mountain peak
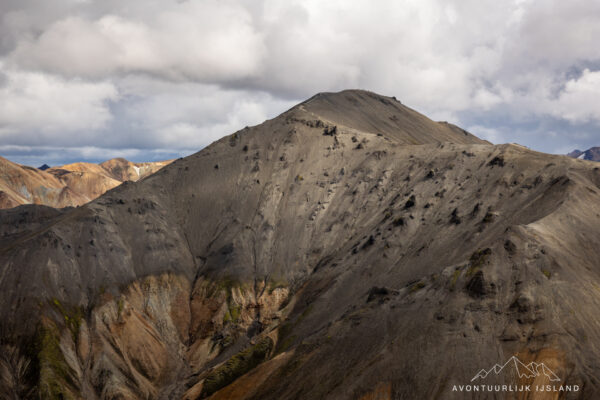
x: 372, y: 113
x: 351, y: 93
x: 591, y: 154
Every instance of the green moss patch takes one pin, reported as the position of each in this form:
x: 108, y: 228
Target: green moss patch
x: 56, y: 377
x: 547, y: 273
x: 226, y: 284
x: 120, y: 307
x: 417, y: 286
x: 455, y: 276
x: 233, y: 312
x: 73, y: 316
x: 236, y: 366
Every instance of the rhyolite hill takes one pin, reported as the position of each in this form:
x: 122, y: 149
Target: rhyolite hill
x: 68, y: 185
x: 350, y: 248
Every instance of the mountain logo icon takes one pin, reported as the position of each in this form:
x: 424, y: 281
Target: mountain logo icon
x: 530, y: 370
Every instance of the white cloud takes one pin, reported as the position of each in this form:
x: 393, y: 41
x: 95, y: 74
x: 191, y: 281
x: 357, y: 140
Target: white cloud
x: 199, y: 41
x: 194, y: 115
x: 578, y: 102
x: 45, y: 104
x: 173, y: 74
x: 489, y: 134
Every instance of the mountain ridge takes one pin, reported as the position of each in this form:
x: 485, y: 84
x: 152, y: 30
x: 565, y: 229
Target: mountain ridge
x: 317, y: 255
x: 355, y: 108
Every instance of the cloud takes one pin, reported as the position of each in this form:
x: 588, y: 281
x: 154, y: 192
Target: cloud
x: 492, y: 135
x: 198, y: 41
x: 578, y: 102
x: 177, y: 75
x: 45, y: 104
x: 191, y: 115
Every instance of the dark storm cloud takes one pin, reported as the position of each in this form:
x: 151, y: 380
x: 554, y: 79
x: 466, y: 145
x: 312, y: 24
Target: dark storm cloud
x: 168, y: 77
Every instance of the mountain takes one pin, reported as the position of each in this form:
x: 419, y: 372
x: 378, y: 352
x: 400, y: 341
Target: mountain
x: 349, y: 248
x: 124, y: 170
x: 591, y: 154
x: 67, y: 185
x: 20, y: 184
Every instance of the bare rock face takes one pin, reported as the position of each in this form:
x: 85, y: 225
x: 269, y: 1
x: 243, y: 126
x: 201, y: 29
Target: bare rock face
x: 124, y: 170
x: 67, y: 185
x: 350, y: 248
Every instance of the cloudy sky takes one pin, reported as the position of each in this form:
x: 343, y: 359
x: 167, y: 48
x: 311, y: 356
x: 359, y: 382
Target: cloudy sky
x: 149, y: 79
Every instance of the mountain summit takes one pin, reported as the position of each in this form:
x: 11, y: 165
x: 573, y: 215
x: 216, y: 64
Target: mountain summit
x: 591, y: 154
x: 369, y: 112
x: 346, y: 249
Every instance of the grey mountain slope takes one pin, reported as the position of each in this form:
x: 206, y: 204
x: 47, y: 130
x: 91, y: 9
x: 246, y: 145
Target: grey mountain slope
x: 370, y: 112
x: 410, y: 266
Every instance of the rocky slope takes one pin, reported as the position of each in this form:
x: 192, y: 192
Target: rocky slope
x: 67, y: 185
x: 591, y: 154
x: 350, y: 248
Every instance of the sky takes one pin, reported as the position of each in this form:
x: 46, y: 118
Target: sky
x: 84, y: 80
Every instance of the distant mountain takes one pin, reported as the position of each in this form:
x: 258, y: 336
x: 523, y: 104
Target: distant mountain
x: 67, y: 185
x: 124, y: 170
x: 591, y: 154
